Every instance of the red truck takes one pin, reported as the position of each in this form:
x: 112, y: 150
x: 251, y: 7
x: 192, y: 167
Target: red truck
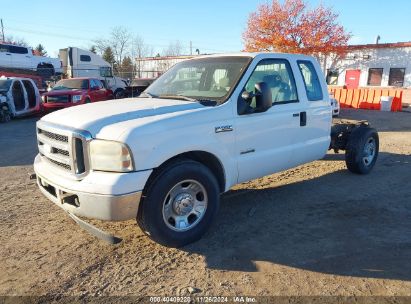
x: 75, y: 91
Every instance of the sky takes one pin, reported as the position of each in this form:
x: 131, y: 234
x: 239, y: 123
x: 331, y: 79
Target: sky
x: 213, y: 26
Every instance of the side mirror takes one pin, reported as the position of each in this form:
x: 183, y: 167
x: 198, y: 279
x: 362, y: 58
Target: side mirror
x: 263, y: 97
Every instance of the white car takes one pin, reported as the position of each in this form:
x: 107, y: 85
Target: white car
x: 16, y: 57
x: 335, y: 105
x: 18, y: 97
x: 204, y: 126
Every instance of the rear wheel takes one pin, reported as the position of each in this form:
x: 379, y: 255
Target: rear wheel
x: 119, y: 93
x: 45, y: 70
x: 362, y: 150
x: 179, y: 204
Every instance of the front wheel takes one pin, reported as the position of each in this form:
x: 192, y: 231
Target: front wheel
x: 5, y: 115
x: 362, y: 150
x: 179, y: 204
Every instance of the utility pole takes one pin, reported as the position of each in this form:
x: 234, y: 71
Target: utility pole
x: 2, y: 30
x: 191, y: 48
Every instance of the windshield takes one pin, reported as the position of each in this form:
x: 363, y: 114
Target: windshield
x: 70, y: 84
x: 210, y: 78
x: 5, y: 84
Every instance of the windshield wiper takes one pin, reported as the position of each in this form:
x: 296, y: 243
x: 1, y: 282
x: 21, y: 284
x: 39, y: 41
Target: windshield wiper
x: 180, y: 97
x: 207, y: 102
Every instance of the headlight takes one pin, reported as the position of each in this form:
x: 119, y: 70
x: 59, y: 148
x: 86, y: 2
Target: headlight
x: 76, y: 98
x: 106, y: 155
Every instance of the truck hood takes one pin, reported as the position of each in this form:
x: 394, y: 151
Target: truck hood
x: 106, y: 119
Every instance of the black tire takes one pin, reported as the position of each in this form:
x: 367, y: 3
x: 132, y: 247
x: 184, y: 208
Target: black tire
x: 87, y: 100
x: 119, y: 93
x: 150, y: 214
x: 356, y: 154
x: 45, y: 70
x: 5, y: 115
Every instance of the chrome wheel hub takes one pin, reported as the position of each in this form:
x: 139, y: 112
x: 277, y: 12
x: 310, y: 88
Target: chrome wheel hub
x: 369, y: 151
x: 185, y: 205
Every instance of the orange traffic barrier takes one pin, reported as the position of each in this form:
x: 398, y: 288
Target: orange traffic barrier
x: 343, y: 98
x: 367, y: 98
x: 348, y: 101
x: 356, y: 98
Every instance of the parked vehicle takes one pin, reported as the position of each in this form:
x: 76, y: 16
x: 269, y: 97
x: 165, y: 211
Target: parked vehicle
x: 15, y: 58
x: 18, y: 97
x: 204, y: 126
x: 83, y: 63
x: 137, y: 86
x: 75, y: 91
x: 38, y: 80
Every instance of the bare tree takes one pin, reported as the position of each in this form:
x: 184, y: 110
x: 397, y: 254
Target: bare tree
x: 139, y: 49
x: 174, y: 49
x: 119, y: 39
x: 16, y: 40
x: 101, y: 45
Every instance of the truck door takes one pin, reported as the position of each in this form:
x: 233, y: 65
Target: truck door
x: 100, y: 90
x: 264, y: 141
x: 312, y: 140
x: 5, y: 56
x: 93, y: 91
x: 20, y: 57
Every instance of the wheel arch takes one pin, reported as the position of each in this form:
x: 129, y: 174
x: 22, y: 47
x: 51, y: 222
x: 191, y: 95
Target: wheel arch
x: 208, y: 159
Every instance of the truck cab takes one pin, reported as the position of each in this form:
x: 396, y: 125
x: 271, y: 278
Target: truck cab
x: 204, y: 126
x: 21, y: 58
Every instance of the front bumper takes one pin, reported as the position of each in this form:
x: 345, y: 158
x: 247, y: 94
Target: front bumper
x: 82, y: 198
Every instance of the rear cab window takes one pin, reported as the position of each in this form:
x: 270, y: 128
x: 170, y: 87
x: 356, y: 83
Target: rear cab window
x: 311, y: 81
x: 18, y: 49
x: 4, y: 48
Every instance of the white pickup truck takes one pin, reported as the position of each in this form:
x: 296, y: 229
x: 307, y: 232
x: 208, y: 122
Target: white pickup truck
x: 14, y: 57
x: 204, y: 126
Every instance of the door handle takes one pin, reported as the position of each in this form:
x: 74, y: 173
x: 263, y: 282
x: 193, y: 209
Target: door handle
x: 303, y: 119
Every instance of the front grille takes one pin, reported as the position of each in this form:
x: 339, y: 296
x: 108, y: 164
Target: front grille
x: 60, y: 98
x: 64, y: 166
x: 62, y: 152
x: 63, y: 148
x: 54, y: 136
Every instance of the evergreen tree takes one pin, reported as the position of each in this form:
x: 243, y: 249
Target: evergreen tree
x: 93, y: 49
x: 108, y: 55
x: 127, y: 67
x: 39, y: 50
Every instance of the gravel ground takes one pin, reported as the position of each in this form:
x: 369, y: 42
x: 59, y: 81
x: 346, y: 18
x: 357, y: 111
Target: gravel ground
x: 314, y: 230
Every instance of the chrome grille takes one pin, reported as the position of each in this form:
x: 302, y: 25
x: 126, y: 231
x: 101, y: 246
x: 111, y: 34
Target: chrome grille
x: 64, y: 166
x: 58, y: 98
x: 53, y: 136
x: 64, y: 148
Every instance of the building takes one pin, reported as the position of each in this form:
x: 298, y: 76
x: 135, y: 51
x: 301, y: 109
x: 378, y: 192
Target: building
x: 371, y: 65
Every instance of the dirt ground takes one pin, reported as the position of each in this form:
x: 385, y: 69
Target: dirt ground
x: 313, y: 230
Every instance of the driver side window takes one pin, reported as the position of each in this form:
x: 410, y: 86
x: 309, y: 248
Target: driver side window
x: 277, y: 74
